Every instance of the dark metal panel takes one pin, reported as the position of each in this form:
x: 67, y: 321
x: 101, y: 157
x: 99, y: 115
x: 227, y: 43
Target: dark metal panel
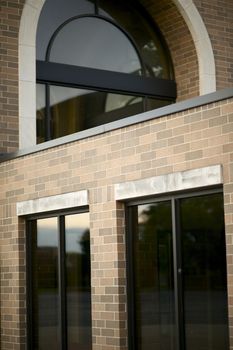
x: 130, y: 279
x: 89, y: 78
x: 62, y: 282
x: 189, y: 193
x: 29, y: 284
x: 178, y: 279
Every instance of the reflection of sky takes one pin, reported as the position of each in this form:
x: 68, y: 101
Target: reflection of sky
x: 58, y: 12
x: 76, y: 226
x: 141, y: 210
x: 94, y: 43
x: 88, y: 42
x: 58, y: 94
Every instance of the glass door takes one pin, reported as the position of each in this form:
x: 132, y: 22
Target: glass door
x: 59, y: 282
x: 152, y: 250
x: 204, y: 272
x: 177, y: 269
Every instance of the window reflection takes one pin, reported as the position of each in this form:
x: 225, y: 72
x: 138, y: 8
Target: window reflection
x: 78, y: 289
x: 95, y: 43
x: 60, y: 275
x: 204, y: 265
x: 200, y: 255
x: 73, y: 110
x: 151, y: 48
x: 40, y: 113
x: 53, y: 14
x: 153, y: 276
x: 45, y: 285
x: 114, y: 36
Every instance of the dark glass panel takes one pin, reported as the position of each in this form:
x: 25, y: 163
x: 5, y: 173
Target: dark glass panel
x: 204, y: 272
x: 45, y: 308
x: 53, y: 14
x: 153, y: 103
x: 155, y: 56
x: 78, y: 286
x: 40, y: 113
x: 95, y: 43
x: 153, y: 276
x: 74, y: 110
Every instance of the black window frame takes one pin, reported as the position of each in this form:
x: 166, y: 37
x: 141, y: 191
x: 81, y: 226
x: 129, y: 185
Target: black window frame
x: 58, y: 74
x: 174, y: 198
x: 60, y: 215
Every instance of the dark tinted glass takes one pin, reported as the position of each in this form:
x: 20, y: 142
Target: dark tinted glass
x: 95, y: 43
x: 204, y: 273
x: 152, y: 50
x: 74, y: 110
x: 40, y: 112
x: 78, y: 282
x: 153, y: 276
x: 201, y: 286
x: 53, y: 14
x: 45, y: 307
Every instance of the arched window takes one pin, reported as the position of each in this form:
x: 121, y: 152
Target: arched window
x: 97, y: 62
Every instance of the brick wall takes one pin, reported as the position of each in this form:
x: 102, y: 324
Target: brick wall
x: 10, y: 12
x: 188, y: 140
x: 180, y: 44
x: 217, y: 16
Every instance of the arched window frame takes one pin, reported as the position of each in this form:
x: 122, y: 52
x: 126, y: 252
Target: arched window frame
x: 50, y: 73
x: 27, y: 72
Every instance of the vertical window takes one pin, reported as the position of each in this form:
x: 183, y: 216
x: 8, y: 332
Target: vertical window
x: 177, y: 274
x: 59, y: 294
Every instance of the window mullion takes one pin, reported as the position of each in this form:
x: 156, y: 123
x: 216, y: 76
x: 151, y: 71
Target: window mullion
x: 62, y: 283
x: 96, y: 7
x: 103, y: 80
x: 29, y: 285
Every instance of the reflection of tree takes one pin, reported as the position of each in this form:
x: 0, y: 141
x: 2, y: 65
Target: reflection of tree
x: 154, y: 246
x: 203, y: 242
x: 85, y: 242
x: 78, y: 264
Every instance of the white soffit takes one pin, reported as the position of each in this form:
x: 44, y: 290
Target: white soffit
x: 58, y: 202
x: 163, y: 184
